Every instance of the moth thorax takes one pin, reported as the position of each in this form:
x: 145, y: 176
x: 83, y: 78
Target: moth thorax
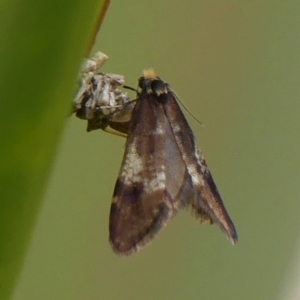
x: 148, y: 76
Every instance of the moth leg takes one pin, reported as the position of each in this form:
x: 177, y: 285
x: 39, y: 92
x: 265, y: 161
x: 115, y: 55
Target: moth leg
x: 112, y: 131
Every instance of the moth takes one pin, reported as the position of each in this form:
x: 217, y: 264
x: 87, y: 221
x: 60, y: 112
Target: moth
x: 99, y: 99
x: 162, y: 172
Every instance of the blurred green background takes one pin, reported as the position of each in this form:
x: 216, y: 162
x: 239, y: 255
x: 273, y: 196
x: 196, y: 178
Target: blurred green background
x: 236, y: 66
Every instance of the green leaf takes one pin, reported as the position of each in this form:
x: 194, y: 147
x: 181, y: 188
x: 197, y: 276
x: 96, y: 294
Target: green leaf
x: 42, y: 44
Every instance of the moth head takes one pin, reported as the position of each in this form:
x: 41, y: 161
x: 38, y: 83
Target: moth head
x: 152, y: 84
x: 149, y: 75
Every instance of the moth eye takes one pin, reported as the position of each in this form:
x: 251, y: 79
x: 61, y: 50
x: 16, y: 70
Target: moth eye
x: 141, y: 82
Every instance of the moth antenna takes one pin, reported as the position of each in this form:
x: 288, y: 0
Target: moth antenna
x: 188, y: 111
x: 130, y: 88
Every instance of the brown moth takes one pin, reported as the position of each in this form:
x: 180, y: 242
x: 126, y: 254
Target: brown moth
x: 162, y: 172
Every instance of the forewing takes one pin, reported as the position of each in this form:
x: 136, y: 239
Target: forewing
x: 207, y: 204
x: 153, y: 182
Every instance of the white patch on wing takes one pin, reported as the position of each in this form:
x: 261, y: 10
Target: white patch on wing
x: 156, y: 183
x: 200, y: 159
x: 132, y: 166
x: 176, y: 128
x: 196, y: 177
x: 159, y: 130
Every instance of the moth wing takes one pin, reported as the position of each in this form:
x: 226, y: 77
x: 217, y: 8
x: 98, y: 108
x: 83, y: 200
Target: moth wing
x: 153, y: 182
x: 208, y: 202
x: 207, y: 205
